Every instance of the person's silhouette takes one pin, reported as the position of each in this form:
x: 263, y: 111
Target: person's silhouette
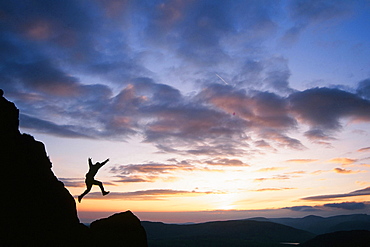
x: 90, y: 180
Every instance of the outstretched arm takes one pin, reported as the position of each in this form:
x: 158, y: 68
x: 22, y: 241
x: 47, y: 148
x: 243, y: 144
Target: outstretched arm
x: 104, y: 162
x: 90, y: 162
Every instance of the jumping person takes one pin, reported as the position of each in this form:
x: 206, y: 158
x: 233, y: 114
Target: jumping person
x: 90, y: 180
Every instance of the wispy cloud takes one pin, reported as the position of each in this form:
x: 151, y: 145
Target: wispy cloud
x: 152, y: 171
x: 271, y: 169
x: 296, y: 172
x: 150, y: 168
x: 52, y: 128
x: 303, y: 208
x: 346, y: 171
x: 225, y: 162
x: 308, y: 13
x: 78, y: 182
x: 318, y: 172
x: 347, y: 205
x: 301, y: 161
x: 343, y: 161
x: 272, y: 189
x: 149, y: 172
x: 361, y: 192
x: 73, y: 182
x: 276, y: 177
x: 155, y: 194
x: 367, y: 149
x: 134, y: 179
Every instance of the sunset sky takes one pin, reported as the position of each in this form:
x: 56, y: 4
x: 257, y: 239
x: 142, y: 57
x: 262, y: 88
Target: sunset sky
x: 207, y: 110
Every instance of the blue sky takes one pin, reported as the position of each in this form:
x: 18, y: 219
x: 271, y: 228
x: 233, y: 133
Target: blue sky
x: 203, y: 102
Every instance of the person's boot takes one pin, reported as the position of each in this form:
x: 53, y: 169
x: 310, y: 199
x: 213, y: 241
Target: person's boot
x: 105, y: 193
x: 79, y: 198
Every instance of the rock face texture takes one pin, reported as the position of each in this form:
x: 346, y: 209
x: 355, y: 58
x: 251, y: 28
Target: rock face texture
x: 36, y: 208
x: 121, y: 229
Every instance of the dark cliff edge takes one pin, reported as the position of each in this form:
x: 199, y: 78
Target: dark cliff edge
x: 37, y: 210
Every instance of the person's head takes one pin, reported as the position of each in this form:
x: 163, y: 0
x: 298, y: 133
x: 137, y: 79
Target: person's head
x: 97, y: 163
x: 1, y: 92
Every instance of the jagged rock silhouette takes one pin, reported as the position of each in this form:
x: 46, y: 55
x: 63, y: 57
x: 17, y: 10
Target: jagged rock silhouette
x: 37, y: 210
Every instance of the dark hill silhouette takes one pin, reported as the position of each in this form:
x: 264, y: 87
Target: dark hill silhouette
x: 358, y: 238
x: 223, y: 233
x: 350, y: 225
x: 321, y: 225
x: 37, y: 210
x: 122, y: 228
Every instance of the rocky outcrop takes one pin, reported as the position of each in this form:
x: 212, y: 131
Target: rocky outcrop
x: 121, y: 229
x: 36, y: 208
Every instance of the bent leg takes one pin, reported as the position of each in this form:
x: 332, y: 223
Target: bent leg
x: 100, y: 184
x: 88, y: 188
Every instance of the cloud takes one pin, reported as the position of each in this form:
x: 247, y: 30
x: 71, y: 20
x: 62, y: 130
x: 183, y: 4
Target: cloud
x: 155, y: 194
x: 361, y: 192
x: 51, y: 128
x: 319, y: 136
x: 318, y: 172
x: 322, y: 108
x: 272, y: 189
x: 367, y: 149
x: 151, y: 172
x: 264, y: 114
x: 303, y: 208
x: 263, y: 144
x: 301, y: 161
x: 343, y: 161
x: 261, y: 109
x: 270, y: 169
x: 81, y: 70
x: 225, y: 162
x: 73, y: 182
x: 363, y: 88
x: 276, y: 177
x: 134, y: 179
x: 346, y: 205
x: 318, y: 10
x: 283, y: 140
x: 201, y: 124
x: 151, y: 168
x: 305, y: 13
x: 346, y: 171
x: 296, y: 172
x: 78, y: 182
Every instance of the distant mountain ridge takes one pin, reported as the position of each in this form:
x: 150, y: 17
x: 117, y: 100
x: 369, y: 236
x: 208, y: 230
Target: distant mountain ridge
x: 223, y: 233
x: 321, y: 225
x: 258, y: 231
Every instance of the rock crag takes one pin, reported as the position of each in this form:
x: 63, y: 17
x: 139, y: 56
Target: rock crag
x: 124, y: 228
x: 37, y: 210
